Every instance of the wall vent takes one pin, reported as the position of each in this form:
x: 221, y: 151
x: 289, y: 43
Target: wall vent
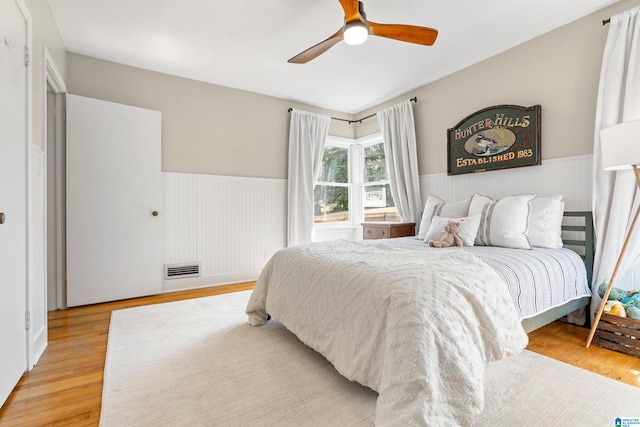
x: 180, y: 271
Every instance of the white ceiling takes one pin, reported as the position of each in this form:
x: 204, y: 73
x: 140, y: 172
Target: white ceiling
x: 245, y: 44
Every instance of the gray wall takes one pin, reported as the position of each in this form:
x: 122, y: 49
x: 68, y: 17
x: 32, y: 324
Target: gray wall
x: 558, y: 70
x: 45, y: 33
x: 206, y: 128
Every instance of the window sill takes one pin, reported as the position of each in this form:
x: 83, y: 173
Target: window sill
x: 343, y: 231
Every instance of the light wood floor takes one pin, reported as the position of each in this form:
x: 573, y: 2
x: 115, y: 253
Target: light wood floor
x: 65, y: 388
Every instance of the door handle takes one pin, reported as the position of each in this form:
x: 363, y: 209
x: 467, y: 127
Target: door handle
x: 154, y: 213
x: 1, y: 217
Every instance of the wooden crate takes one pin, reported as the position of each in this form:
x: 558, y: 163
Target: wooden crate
x: 619, y: 334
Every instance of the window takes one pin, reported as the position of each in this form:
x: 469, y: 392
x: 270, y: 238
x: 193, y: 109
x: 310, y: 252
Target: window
x: 377, y: 201
x: 331, y: 193
x: 353, y: 185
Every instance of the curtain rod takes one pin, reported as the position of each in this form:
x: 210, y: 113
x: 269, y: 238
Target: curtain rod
x: 414, y: 99
x: 606, y: 21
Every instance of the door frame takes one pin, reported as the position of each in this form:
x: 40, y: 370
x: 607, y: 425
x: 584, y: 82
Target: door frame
x: 27, y: 147
x: 56, y: 147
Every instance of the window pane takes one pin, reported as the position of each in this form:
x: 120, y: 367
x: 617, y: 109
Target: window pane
x: 335, y: 165
x: 331, y: 204
x: 375, y: 168
x: 378, y: 204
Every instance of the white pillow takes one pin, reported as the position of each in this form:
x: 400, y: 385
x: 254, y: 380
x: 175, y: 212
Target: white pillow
x: 504, y: 222
x: 435, y: 206
x: 467, y: 230
x: 545, y: 222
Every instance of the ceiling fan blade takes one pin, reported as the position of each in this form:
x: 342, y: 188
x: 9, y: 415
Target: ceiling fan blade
x: 317, y: 50
x: 351, y: 10
x: 406, y: 33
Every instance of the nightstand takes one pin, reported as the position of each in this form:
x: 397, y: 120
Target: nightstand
x: 387, y: 230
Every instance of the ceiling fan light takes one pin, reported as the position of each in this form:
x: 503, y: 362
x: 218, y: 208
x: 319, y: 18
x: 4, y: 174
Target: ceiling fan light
x: 356, y: 33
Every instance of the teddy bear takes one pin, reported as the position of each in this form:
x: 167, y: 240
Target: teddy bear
x: 450, y: 238
x: 620, y: 302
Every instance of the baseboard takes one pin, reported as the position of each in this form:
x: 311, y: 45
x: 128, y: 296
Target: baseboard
x: 207, y: 281
x: 37, y: 354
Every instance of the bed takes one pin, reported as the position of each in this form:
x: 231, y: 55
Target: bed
x: 545, y: 284
x: 417, y: 325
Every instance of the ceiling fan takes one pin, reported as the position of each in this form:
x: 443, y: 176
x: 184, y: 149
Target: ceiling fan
x: 356, y: 28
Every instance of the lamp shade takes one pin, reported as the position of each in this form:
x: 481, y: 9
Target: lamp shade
x: 620, y: 145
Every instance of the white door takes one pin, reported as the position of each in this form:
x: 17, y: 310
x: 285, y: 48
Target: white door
x: 114, y: 195
x: 13, y: 193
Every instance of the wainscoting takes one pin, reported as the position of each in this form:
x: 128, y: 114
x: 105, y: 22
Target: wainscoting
x: 570, y: 176
x: 231, y: 225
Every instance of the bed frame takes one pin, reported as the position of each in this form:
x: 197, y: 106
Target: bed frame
x: 578, y: 236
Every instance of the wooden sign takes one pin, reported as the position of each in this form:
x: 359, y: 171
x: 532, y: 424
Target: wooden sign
x: 499, y: 137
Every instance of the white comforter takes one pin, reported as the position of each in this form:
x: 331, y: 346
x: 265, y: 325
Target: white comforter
x: 418, y: 330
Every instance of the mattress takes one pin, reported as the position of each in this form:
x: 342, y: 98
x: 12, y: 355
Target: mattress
x: 538, y: 279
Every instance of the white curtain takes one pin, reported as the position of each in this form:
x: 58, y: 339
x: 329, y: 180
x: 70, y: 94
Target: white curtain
x: 307, y: 137
x: 614, y: 203
x: 398, y: 131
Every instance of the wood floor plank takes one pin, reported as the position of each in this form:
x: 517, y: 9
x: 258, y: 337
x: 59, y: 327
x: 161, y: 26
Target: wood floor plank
x: 566, y: 342
x: 65, y: 388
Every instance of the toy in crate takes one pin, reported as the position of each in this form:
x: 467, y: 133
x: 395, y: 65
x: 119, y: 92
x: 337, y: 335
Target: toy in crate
x: 619, y: 327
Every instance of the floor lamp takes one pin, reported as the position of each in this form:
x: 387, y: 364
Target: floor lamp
x: 620, y: 146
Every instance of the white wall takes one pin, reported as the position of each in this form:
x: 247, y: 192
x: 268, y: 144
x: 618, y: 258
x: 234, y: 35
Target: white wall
x: 231, y: 225
x: 569, y: 176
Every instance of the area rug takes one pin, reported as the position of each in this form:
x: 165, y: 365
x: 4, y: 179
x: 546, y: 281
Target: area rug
x: 198, y: 363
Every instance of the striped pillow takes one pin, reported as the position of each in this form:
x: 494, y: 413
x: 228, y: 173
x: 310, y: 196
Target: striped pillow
x: 503, y: 222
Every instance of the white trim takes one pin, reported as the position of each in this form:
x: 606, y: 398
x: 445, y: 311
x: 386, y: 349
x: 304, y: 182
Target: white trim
x: 587, y: 157
x: 369, y: 139
x: 336, y: 141
x: 345, y: 232
x: 51, y: 74
x: 29, y: 138
x: 339, y: 140
x: 248, y: 178
x: 37, y: 149
x: 37, y: 334
x: 324, y: 231
x: 207, y: 281
x: 356, y: 168
x: 363, y: 143
x: 564, y: 159
x: 53, y: 78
